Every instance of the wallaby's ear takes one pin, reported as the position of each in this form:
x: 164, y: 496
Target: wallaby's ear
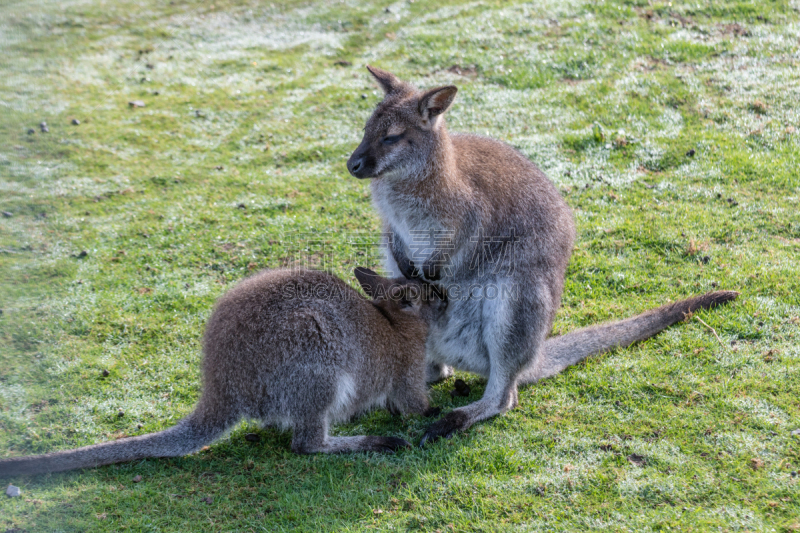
x: 388, y: 81
x: 436, y: 101
x: 373, y: 284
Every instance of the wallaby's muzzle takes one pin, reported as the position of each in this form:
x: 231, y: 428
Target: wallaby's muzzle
x: 360, y: 164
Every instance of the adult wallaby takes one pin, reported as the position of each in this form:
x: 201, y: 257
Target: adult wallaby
x: 297, y: 349
x: 475, y: 216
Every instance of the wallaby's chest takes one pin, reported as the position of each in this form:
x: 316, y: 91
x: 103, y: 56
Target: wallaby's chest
x: 412, y: 220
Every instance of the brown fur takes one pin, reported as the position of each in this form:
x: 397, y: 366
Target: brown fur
x: 297, y: 349
x: 488, y: 199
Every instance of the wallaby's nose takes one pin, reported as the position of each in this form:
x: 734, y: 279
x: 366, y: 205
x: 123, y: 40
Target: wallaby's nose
x: 355, y: 165
x: 360, y: 164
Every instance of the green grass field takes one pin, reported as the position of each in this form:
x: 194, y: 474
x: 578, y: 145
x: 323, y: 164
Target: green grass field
x: 672, y: 129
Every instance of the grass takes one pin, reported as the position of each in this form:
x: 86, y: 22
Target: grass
x: 671, y: 128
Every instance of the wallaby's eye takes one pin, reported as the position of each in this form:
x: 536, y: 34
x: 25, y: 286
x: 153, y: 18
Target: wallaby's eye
x: 391, y: 139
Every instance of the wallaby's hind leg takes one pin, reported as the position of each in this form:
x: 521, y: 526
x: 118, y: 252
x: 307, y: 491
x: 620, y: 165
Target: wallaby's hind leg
x: 514, y: 330
x: 410, y: 396
x: 311, y: 436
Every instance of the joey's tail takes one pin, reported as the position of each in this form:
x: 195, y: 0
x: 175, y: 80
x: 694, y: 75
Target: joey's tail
x: 565, y: 350
x: 190, y: 434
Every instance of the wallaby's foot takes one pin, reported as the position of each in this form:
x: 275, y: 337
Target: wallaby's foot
x: 367, y: 443
x: 386, y: 444
x: 437, y: 372
x: 445, y: 427
x: 499, y: 397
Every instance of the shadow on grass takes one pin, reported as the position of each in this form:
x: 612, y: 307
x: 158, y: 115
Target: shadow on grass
x: 252, y: 479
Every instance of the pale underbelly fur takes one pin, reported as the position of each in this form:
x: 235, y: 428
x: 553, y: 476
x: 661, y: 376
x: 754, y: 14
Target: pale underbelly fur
x: 458, y: 339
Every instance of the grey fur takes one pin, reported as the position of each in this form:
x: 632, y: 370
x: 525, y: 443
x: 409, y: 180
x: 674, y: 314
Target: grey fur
x: 565, y: 350
x: 487, y: 199
x: 296, y: 349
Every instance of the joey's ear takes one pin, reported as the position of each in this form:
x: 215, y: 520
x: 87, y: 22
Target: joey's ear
x: 388, y: 81
x: 373, y: 284
x: 436, y: 101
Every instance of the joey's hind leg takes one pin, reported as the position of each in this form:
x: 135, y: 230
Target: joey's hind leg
x: 410, y: 396
x: 311, y: 436
x: 314, y: 408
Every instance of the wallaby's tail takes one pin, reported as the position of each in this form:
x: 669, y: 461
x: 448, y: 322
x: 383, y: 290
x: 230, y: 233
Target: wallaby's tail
x: 190, y: 434
x: 565, y: 350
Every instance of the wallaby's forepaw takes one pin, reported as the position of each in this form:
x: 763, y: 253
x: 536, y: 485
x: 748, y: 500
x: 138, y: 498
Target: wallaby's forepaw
x: 408, y: 269
x: 445, y: 427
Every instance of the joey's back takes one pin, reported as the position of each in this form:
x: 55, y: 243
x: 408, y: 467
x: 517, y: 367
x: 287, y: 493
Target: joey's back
x: 257, y: 321
x: 280, y: 321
